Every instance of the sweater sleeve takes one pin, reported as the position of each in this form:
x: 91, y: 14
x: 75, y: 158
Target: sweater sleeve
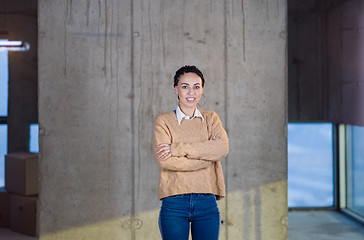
x: 211, y: 150
x: 175, y: 163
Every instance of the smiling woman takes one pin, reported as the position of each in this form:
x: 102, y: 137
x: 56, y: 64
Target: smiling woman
x: 188, y: 145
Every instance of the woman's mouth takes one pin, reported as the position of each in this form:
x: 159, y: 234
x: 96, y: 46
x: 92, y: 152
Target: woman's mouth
x: 190, y: 99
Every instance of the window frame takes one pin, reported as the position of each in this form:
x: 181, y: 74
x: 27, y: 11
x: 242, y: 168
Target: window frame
x: 3, y: 120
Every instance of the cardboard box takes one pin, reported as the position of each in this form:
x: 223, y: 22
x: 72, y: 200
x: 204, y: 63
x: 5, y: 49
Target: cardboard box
x: 24, y: 214
x: 21, y: 173
x: 4, y: 208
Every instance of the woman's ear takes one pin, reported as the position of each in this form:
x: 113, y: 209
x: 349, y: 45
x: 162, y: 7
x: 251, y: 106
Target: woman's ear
x: 175, y: 90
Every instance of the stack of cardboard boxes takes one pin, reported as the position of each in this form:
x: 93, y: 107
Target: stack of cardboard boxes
x: 19, y: 199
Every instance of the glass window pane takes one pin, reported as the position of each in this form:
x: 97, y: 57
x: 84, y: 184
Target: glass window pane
x: 355, y: 168
x: 3, y: 151
x: 33, y: 142
x: 310, y: 165
x: 3, y: 83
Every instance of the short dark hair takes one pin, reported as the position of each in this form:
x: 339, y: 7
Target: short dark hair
x: 188, y: 69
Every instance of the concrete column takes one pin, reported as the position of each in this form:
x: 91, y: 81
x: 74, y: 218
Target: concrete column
x: 255, y: 113
x: 106, y: 71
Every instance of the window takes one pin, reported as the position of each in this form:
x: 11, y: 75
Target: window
x: 6, y: 46
x: 3, y: 150
x: 310, y: 165
x: 4, y: 83
x: 355, y: 169
x: 33, y: 140
x: 3, y: 112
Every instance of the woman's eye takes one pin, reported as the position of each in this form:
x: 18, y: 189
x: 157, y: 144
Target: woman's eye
x: 197, y: 87
x: 184, y: 87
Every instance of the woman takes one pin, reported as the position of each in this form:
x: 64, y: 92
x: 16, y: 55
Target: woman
x: 188, y: 146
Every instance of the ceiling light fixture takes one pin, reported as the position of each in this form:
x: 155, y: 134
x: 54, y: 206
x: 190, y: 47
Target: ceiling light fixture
x: 14, y: 45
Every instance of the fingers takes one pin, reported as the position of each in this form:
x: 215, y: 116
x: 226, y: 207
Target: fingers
x: 214, y: 137
x: 166, y: 148
x: 166, y: 157
x: 164, y: 151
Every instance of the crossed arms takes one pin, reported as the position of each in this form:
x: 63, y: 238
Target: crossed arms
x: 182, y: 156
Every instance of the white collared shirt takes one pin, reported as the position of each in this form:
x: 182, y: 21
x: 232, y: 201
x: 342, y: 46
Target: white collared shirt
x: 181, y: 115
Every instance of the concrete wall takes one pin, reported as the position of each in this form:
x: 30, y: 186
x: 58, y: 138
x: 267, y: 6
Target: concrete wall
x: 325, y: 61
x: 308, y: 92
x: 345, y: 61
x: 19, y: 22
x: 105, y: 72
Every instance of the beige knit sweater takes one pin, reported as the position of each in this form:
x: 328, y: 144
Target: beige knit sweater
x: 195, y: 166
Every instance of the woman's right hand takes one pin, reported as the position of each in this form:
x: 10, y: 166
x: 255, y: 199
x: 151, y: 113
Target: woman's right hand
x: 164, y: 151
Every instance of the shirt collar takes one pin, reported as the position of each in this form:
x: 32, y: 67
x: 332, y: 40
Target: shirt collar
x: 181, y: 115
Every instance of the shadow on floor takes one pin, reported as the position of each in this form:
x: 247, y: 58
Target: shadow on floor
x: 7, y: 234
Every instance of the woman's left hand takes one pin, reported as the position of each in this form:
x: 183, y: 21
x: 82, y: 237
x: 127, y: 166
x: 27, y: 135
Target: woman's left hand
x: 164, y: 151
x: 213, y: 137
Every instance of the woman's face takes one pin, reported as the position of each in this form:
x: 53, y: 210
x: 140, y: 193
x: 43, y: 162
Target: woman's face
x: 189, y: 90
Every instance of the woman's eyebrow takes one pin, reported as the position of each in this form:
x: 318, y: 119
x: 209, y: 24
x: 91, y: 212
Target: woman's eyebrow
x: 189, y: 84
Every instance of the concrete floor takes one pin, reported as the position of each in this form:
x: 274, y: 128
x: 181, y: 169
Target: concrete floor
x: 302, y: 225
x: 322, y: 225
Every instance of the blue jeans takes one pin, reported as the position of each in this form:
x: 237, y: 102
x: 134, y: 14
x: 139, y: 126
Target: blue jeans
x: 199, y: 210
